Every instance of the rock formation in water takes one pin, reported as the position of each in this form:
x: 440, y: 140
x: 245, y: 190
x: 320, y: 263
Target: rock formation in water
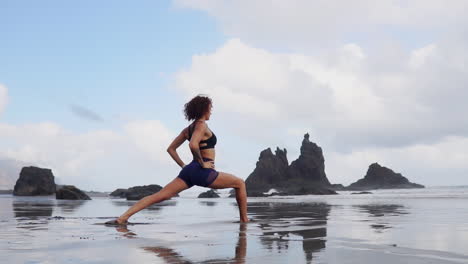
x: 379, y: 177
x: 122, y: 193
x: 364, y: 192
x: 138, y: 192
x: 269, y: 172
x: 338, y: 187
x: 209, y: 194
x: 34, y: 181
x: 306, y: 175
x: 70, y: 192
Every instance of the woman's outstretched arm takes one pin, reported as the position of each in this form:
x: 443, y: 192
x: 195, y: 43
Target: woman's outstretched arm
x: 172, y: 149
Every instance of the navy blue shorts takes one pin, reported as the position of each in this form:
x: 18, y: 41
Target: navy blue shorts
x: 194, y: 174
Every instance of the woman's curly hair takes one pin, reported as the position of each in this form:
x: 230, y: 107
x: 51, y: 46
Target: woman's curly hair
x: 197, y: 107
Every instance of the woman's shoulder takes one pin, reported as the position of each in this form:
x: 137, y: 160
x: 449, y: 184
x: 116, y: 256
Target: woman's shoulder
x: 195, y: 125
x: 199, y: 123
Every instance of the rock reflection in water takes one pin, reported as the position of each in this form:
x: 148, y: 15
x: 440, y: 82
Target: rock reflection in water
x: 33, y: 209
x: 32, y: 215
x: 307, y: 220
x: 208, y: 203
x: 154, y: 207
x: 69, y: 206
x: 380, y: 212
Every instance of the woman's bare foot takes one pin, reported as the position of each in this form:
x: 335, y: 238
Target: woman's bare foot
x: 116, y: 222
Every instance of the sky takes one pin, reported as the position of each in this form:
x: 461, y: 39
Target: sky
x: 95, y: 90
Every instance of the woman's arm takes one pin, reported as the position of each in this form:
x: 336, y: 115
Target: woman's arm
x: 172, y: 149
x: 194, y: 144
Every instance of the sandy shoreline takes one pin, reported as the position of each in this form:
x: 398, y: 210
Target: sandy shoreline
x: 189, y: 230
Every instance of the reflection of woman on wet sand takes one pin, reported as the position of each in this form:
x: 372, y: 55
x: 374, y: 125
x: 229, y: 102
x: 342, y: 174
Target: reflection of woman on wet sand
x: 201, y: 171
x: 172, y: 256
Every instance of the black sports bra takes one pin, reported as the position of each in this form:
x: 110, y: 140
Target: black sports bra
x: 210, y: 142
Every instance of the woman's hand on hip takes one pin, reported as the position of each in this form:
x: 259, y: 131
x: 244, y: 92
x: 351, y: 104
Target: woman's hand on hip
x: 208, y: 165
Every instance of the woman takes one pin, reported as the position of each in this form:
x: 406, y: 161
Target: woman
x: 201, y: 171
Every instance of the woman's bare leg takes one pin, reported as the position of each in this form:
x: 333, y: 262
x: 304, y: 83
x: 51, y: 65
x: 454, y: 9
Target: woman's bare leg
x: 226, y: 180
x: 174, y: 187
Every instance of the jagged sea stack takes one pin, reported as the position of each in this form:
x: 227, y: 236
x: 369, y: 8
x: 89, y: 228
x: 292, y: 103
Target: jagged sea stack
x: 379, y: 177
x: 122, y: 193
x: 35, y: 181
x: 270, y: 172
x: 306, y: 175
x: 310, y: 166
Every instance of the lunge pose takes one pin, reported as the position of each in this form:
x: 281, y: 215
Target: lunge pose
x: 201, y: 171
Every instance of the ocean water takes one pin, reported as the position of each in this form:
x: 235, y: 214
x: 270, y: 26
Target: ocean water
x: 389, y: 226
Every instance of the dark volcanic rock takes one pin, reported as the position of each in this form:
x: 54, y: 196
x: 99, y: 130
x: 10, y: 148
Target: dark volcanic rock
x: 122, y: 193
x: 379, y: 177
x: 70, y: 192
x: 361, y: 192
x: 338, y: 187
x: 269, y: 172
x: 138, y: 192
x: 209, y: 194
x: 306, y: 175
x: 35, y: 181
x: 310, y: 166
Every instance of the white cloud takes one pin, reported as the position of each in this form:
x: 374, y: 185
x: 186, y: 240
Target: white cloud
x: 420, y: 56
x: 441, y: 163
x: 262, y: 79
x: 304, y: 23
x: 395, y: 94
x: 344, y: 94
x: 3, y: 97
x: 408, y: 13
x: 250, y: 82
x: 9, y: 172
x: 153, y: 137
x: 349, y: 100
x: 98, y: 159
x: 49, y: 145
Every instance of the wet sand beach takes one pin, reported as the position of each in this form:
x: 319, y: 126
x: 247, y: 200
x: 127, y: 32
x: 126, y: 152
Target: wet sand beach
x: 399, y: 226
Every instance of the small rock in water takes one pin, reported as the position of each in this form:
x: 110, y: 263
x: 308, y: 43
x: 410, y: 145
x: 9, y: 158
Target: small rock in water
x: 209, y: 194
x: 70, y: 192
x: 361, y: 193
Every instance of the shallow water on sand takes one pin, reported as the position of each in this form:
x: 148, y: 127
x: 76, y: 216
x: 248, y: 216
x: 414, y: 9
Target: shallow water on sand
x: 398, y: 226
